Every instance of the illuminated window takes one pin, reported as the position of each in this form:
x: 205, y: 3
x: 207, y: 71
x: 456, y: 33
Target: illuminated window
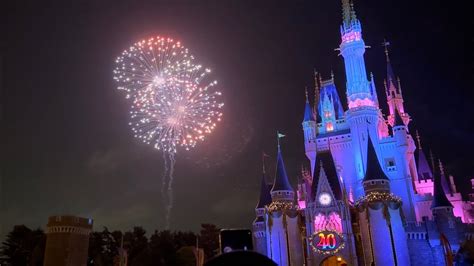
x: 329, y: 126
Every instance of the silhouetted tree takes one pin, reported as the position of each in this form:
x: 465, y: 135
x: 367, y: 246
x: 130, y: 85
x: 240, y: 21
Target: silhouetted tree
x: 136, y: 243
x: 39, y: 243
x: 103, y: 247
x: 24, y: 246
x: 209, y: 240
x: 162, y: 248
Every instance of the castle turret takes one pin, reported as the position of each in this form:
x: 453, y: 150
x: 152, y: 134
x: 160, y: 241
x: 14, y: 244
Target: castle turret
x: 381, y: 218
x: 443, y: 215
x: 284, y: 239
x: 259, y: 226
x: 281, y: 189
x: 352, y: 48
x: 400, y: 130
x: 309, y: 129
x: 404, y: 185
x: 393, y: 92
x: 423, y: 184
x: 363, y: 114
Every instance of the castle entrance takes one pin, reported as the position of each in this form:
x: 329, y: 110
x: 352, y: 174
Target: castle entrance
x: 333, y: 261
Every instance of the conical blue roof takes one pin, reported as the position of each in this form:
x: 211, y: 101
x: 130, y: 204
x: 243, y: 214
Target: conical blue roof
x: 439, y: 196
x: 374, y: 171
x: 308, y: 113
x: 391, y: 79
x: 424, y: 170
x: 281, y: 178
x: 265, y: 197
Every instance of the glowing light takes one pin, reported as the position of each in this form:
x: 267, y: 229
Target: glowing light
x: 358, y: 103
x: 351, y: 36
x: 331, y: 222
x: 326, y: 242
x: 329, y: 127
x: 173, y: 101
x: 325, y: 199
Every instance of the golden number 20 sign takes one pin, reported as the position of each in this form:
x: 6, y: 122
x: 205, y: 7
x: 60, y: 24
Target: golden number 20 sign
x: 328, y: 242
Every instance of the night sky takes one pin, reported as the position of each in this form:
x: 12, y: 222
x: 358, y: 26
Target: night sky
x: 67, y: 147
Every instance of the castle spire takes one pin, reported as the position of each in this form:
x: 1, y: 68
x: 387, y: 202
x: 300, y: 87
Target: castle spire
x: 432, y: 160
x: 391, y: 79
x: 386, y: 44
x: 263, y: 162
x: 352, y: 48
x: 424, y: 169
x: 374, y: 170
x: 439, y: 197
x: 308, y: 112
x: 393, y: 91
x: 265, y: 197
x: 346, y: 11
x: 444, y: 179
x: 316, y: 95
x: 281, y: 182
x: 418, y: 139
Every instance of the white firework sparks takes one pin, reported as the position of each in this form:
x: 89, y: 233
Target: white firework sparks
x: 173, y: 101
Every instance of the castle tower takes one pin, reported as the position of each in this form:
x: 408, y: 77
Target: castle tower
x: 259, y: 226
x: 363, y: 114
x: 352, y: 48
x: 423, y: 185
x: 381, y: 224
x: 403, y: 184
x: 393, y: 92
x: 67, y: 241
x: 443, y: 214
x: 284, y: 239
x: 309, y: 129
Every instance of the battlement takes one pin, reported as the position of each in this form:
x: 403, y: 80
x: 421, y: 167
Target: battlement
x: 69, y: 221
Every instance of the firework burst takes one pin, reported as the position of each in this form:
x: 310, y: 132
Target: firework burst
x: 173, y: 100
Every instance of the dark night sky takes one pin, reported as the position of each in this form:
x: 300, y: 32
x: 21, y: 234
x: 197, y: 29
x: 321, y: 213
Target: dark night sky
x: 66, y: 146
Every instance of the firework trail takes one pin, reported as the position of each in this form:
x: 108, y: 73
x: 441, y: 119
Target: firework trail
x: 173, y: 101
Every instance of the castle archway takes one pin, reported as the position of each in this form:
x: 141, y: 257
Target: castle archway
x: 333, y: 261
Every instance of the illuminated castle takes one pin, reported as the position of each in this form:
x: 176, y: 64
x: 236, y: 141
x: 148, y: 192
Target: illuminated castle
x: 366, y: 199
